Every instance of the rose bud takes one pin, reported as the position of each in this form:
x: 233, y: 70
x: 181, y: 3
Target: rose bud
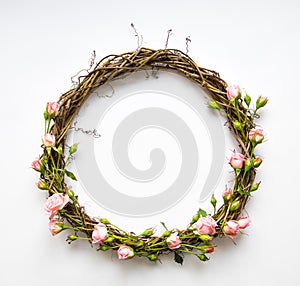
x: 257, y: 162
x: 125, y: 252
x: 52, y: 108
x: 173, y: 240
x: 213, y: 104
x: 256, y: 135
x: 202, y: 257
x: 99, y: 234
x: 233, y: 92
x: 55, y: 227
x: 36, y: 165
x: 244, y: 222
x: 206, y: 225
x: 261, y: 101
x: 227, y: 195
x: 209, y: 249
x: 152, y: 257
x: 72, y: 237
x: 42, y: 185
x: 148, y: 232
x: 235, y: 205
x: 237, y: 161
x: 231, y: 228
x: 254, y: 187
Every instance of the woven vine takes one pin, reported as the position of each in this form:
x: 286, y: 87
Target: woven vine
x: 66, y: 213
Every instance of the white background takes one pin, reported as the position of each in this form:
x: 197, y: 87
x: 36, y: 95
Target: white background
x: 252, y: 43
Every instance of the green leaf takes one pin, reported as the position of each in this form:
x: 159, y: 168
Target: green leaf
x: 70, y: 175
x: 247, y: 99
x: 178, y: 258
x: 202, y: 212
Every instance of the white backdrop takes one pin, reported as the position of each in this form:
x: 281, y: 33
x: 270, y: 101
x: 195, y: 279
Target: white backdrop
x: 252, y: 43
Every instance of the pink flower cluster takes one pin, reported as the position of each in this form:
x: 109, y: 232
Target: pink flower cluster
x: 232, y: 227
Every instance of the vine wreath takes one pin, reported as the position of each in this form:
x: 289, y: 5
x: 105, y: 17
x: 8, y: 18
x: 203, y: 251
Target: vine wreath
x: 63, y: 207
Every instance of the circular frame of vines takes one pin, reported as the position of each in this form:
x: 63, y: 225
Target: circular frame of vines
x: 63, y: 207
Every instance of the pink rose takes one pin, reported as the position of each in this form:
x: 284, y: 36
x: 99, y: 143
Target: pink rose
x: 244, y: 222
x: 206, y: 225
x: 237, y: 160
x: 125, y: 252
x: 36, y: 164
x: 173, y: 240
x: 231, y: 228
x: 256, y: 135
x: 49, y: 140
x: 54, y: 227
x: 233, y: 91
x: 52, y: 108
x: 100, y: 233
x: 55, y: 203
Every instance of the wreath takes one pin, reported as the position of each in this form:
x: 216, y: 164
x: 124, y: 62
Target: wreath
x: 63, y: 207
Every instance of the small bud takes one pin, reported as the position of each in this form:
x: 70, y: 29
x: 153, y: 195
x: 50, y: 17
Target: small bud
x: 247, y: 99
x: 202, y: 257
x: 227, y: 195
x: 70, y: 193
x: 166, y: 233
x: 104, y: 220
x: 51, y: 110
x: 104, y: 247
x: 209, y: 249
x: 73, y: 149
x: 152, y: 257
x: 254, y: 187
x: 235, y: 205
x: 72, y: 237
x: 139, y: 243
x: 261, y: 101
x: 238, y: 125
x: 257, y: 162
x: 148, y: 232
x: 248, y: 165
x: 213, y: 201
x: 42, y: 185
x: 110, y: 239
x: 195, y: 218
x: 59, y: 150
x: 205, y: 237
x: 213, y: 104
